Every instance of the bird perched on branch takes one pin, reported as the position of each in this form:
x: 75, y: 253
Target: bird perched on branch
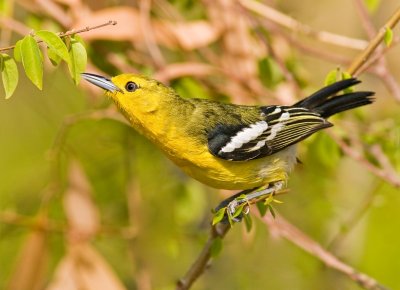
x: 227, y: 146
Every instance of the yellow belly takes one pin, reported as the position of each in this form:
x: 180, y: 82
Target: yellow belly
x: 192, y: 156
x: 200, y: 164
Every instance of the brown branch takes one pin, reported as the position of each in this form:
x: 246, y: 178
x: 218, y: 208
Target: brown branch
x: 280, y: 227
x: 296, y: 26
x: 203, y: 260
x: 387, y: 173
x: 381, y: 69
x: 71, y: 32
x: 374, y: 43
x: 376, y: 151
x: 55, y: 11
x: 13, y: 25
x: 43, y: 224
x: 148, y: 32
x: 48, y: 225
x: 389, y: 80
x: 373, y: 59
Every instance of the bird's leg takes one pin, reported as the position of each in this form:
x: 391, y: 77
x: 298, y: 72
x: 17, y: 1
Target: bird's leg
x: 245, y: 198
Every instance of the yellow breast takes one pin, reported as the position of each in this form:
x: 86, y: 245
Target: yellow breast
x: 196, y: 160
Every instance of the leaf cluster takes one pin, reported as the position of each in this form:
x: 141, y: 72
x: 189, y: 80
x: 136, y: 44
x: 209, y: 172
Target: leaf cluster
x: 60, y: 48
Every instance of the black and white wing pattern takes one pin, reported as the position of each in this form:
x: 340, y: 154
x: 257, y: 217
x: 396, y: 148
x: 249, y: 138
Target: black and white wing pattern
x: 278, y: 128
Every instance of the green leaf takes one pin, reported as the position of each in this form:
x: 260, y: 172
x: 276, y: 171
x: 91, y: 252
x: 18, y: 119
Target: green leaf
x: 218, y: 216
x: 17, y: 51
x: 262, y: 208
x: 216, y: 247
x: 271, y: 210
x: 345, y: 76
x: 9, y: 74
x: 388, y: 37
x: 372, y: 5
x: 78, y: 38
x: 269, y: 72
x: 269, y: 199
x: 248, y: 222
x: 239, y: 210
x: 55, y: 59
x: 325, y: 151
x: 277, y: 201
x: 331, y: 77
x: 190, y: 88
x: 55, y: 43
x: 32, y: 60
x: 78, y: 57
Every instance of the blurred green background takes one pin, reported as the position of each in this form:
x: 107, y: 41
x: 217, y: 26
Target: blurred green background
x: 146, y: 218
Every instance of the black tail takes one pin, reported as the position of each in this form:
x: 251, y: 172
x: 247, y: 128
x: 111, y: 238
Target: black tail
x: 327, y: 104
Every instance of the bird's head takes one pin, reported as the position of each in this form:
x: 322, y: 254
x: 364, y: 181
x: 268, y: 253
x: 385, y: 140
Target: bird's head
x: 134, y: 94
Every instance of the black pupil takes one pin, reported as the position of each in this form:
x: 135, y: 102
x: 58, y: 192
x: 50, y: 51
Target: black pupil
x: 131, y: 86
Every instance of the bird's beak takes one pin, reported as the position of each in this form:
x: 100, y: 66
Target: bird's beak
x: 101, y: 82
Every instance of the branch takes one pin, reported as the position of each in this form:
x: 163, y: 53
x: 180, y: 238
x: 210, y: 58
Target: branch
x: 387, y: 171
x: 374, y: 43
x: 204, y: 259
x: 296, y: 26
x: 283, y: 228
x: 64, y: 34
x: 48, y: 225
x: 377, y: 58
x: 217, y: 231
x: 14, y: 25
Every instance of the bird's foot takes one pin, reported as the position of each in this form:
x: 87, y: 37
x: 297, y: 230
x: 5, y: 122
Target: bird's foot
x: 234, y: 208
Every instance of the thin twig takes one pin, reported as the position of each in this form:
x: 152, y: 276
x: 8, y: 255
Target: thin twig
x: 380, y: 67
x: 203, y: 260
x: 373, y: 59
x: 55, y: 11
x: 148, y: 32
x: 383, y: 160
x: 13, y: 25
x: 387, y: 174
x: 64, y: 34
x: 296, y: 26
x: 374, y: 43
x: 15, y: 219
x: 283, y: 228
x: 48, y: 225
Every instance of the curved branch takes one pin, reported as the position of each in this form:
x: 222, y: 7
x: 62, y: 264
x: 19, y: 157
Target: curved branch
x: 283, y: 228
x: 294, y: 25
x: 364, y: 56
x: 64, y: 34
x: 203, y: 260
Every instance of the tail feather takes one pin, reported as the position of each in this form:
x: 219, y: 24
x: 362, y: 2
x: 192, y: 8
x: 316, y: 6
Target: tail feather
x: 320, y: 96
x: 344, y: 102
x: 327, y: 104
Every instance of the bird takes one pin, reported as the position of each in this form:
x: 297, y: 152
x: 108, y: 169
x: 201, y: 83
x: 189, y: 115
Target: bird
x: 227, y: 146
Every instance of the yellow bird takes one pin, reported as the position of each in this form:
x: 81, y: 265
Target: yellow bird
x: 226, y: 146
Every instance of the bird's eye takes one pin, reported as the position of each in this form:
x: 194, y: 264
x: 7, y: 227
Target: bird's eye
x: 131, y: 86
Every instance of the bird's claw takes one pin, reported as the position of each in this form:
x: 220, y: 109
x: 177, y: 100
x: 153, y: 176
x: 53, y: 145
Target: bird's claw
x: 237, y: 207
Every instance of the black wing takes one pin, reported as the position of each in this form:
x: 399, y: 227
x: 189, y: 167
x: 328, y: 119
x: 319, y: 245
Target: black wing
x: 277, y: 128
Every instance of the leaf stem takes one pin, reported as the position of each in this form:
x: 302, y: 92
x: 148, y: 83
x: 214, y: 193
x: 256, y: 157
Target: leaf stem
x: 374, y: 43
x: 71, y: 32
